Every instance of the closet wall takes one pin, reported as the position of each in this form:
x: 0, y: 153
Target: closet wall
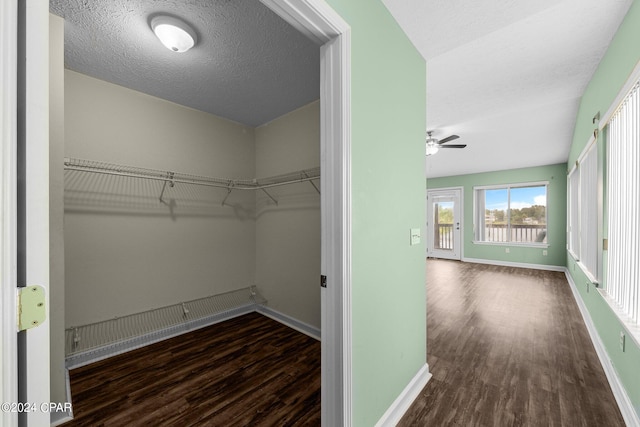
x: 127, y: 252
x: 56, y: 208
x: 288, y: 235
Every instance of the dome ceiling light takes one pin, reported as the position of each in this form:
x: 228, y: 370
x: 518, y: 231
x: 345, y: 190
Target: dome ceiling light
x: 174, y: 33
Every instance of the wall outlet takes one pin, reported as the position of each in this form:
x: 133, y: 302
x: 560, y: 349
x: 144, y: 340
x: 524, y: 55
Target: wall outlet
x: 622, y: 338
x: 507, y: 250
x: 544, y: 252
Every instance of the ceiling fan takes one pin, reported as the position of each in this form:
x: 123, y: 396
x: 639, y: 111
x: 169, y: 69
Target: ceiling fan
x: 434, y: 144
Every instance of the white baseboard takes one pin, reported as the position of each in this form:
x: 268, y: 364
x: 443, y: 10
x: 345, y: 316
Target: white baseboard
x: 397, y: 409
x: 620, y: 394
x: 289, y: 321
x: 560, y: 268
x: 59, y: 418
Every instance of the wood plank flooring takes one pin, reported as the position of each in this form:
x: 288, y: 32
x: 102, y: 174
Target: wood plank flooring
x: 248, y: 371
x: 508, y: 347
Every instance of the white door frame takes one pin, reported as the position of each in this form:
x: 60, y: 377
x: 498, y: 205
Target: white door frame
x: 318, y: 21
x: 453, y: 192
x: 312, y: 17
x: 8, y: 216
x: 29, y: 129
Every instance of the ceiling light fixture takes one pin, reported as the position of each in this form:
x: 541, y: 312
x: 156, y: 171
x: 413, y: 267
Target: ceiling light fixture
x: 174, y: 33
x: 432, y: 145
x: 432, y: 149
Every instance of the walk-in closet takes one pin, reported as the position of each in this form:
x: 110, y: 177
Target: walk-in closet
x: 190, y: 180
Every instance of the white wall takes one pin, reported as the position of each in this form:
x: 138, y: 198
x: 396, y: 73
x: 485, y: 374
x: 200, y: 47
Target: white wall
x: 126, y: 252
x: 288, y: 235
x: 56, y: 206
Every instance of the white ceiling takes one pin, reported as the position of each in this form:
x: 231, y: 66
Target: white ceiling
x: 506, y: 76
x: 248, y: 64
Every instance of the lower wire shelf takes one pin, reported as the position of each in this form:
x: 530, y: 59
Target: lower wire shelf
x: 87, y: 343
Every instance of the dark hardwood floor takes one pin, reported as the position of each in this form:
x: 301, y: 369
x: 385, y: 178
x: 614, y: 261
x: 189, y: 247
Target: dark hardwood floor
x: 508, y: 347
x: 248, y: 371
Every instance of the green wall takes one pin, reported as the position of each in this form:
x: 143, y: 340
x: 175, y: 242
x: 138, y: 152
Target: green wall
x: 612, y: 73
x: 388, y: 92
x: 556, y: 214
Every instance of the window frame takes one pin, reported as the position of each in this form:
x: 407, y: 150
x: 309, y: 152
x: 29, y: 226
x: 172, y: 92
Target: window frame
x: 583, y: 236
x: 508, y: 187
x: 632, y: 328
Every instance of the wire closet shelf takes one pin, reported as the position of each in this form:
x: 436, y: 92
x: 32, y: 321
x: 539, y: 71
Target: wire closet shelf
x: 145, y: 327
x: 170, y: 177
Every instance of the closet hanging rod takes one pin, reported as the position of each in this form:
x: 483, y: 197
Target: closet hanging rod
x: 167, y: 176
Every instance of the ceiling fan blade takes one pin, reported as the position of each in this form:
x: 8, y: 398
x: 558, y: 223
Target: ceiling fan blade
x: 454, y: 146
x: 447, y: 139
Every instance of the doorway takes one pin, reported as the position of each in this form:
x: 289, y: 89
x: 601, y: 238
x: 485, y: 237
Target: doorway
x: 314, y: 18
x: 444, y: 223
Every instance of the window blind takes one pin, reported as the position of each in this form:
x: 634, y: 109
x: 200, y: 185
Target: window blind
x: 623, y: 178
x: 589, y: 211
x: 574, y: 217
x: 583, y: 211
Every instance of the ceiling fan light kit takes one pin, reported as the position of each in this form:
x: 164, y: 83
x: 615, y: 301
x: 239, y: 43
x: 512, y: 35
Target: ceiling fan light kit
x: 434, y: 145
x: 432, y: 149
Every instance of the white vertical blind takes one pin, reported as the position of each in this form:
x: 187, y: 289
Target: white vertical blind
x: 583, y: 211
x: 623, y: 178
x: 589, y: 211
x: 574, y: 217
x: 480, y: 215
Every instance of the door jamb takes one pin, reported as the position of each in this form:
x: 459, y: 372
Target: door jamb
x: 31, y: 383
x: 8, y: 201
x: 321, y: 23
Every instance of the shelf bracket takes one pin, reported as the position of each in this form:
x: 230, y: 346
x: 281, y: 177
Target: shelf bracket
x: 311, y: 181
x: 170, y: 176
x: 229, y: 190
x: 270, y: 196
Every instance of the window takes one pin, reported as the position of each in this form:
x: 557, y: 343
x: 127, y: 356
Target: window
x: 511, y: 214
x: 623, y: 183
x: 574, y: 213
x: 583, y: 211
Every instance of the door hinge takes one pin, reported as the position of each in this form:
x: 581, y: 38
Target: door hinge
x: 31, y: 308
x: 323, y: 281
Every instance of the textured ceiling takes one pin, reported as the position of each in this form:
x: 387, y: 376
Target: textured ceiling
x: 507, y: 76
x: 248, y: 64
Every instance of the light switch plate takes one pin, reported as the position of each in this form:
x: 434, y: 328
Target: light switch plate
x: 415, y: 236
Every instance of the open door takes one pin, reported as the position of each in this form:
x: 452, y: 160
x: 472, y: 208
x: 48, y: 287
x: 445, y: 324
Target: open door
x: 444, y: 223
x: 25, y: 211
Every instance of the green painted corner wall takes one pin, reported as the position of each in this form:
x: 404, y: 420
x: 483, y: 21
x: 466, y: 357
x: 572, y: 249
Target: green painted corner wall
x: 388, y: 94
x: 612, y: 73
x: 556, y: 175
